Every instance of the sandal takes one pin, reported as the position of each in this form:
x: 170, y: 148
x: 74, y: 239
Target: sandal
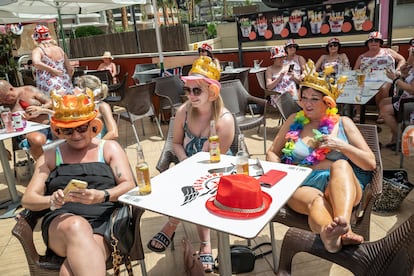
x: 206, y: 259
x: 162, y: 239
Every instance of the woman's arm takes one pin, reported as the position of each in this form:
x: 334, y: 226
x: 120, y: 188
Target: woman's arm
x: 68, y: 66
x: 225, y: 131
x: 39, y: 65
x: 270, y: 82
x: 113, y: 65
x: 358, y: 63
x: 344, y: 59
x: 274, y: 153
x: 109, y: 122
x: 178, y: 133
x: 318, y: 64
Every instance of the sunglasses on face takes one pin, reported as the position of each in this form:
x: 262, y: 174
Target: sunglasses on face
x: 333, y: 45
x: 196, y: 91
x: 291, y: 46
x: 203, y: 51
x: 375, y: 40
x: 70, y: 131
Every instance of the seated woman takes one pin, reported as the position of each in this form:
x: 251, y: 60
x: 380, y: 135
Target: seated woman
x: 191, y: 132
x: 100, y: 91
x: 333, y: 58
x: 389, y: 107
x: 74, y: 226
x: 280, y: 77
x: 336, y: 151
x: 107, y: 64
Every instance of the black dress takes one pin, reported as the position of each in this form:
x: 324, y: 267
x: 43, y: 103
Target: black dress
x: 99, y: 176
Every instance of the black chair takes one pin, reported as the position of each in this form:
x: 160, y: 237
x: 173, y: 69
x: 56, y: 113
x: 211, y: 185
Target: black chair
x: 170, y: 90
x: 237, y: 99
x: 138, y: 105
x: 186, y: 69
x: 286, y: 105
x: 49, y: 263
x: 116, y: 92
x: 391, y: 255
x: 104, y: 75
x: 361, y: 215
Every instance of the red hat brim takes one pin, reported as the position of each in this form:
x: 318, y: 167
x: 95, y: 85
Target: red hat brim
x: 200, y: 77
x: 267, y: 200
x: 71, y: 124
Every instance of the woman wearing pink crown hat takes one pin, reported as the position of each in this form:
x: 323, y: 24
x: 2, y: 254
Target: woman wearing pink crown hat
x: 293, y: 58
x: 191, y: 132
x: 378, y: 58
x: 342, y: 162
x: 53, y: 70
x: 333, y: 58
x: 278, y: 76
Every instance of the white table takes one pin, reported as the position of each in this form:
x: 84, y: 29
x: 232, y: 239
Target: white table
x: 8, y: 174
x: 168, y: 199
x: 240, y: 73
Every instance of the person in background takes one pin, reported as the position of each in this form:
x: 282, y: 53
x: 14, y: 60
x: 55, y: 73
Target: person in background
x: 107, y: 64
x: 390, y: 106
x: 191, y: 132
x: 100, y: 91
x: 206, y: 50
x: 280, y: 77
x: 378, y: 58
x: 332, y: 146
x: 298, y: 61
x: 35, y: 107
x: 333, y: 58
x: 74, y: 224
x: 53, y: 69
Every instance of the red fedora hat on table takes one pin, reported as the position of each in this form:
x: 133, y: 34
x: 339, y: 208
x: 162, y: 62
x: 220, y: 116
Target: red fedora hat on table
x: 239, y: 196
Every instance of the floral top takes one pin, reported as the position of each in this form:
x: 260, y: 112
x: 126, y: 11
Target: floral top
x: 405, y: 94
x: 383, y: 60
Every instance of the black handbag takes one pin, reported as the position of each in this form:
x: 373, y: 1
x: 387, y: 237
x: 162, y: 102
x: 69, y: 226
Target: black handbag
x: 243, y: 257
x: 395, y: 188
x: 120, y: 235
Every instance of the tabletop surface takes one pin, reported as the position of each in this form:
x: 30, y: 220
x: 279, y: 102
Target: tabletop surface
x: 30, y: 127
x: 150, y: 71
x: 183, y: 190
x: 235, y: 70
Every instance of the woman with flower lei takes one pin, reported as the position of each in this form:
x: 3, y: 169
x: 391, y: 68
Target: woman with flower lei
x: 317, y: 137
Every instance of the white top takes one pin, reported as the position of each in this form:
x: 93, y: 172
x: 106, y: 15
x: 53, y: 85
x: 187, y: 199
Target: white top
x: 167, y: 195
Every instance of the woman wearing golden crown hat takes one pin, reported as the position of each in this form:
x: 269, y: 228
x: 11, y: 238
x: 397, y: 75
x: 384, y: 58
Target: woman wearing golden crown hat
x: 74, y: 225
x: 342, y: 162
x: 191, y: 132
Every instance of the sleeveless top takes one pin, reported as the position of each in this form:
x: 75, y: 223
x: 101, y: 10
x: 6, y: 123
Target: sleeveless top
x: 383, y: 60
x: 98, y: 175
x: 285, y: 85
x: 336, y: 64
x: 47, y: 82
x: 195, y: 143
x: 405, y: 94
x: 302, y: 150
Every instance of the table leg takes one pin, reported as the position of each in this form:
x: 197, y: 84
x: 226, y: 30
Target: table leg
x: 11, y: 183
x: 224, y: 254
x: 362, y: 115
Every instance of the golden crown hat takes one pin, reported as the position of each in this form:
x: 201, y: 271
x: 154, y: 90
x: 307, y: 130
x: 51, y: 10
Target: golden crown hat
x: 327, y: 83
x: 204, y: 68
x: 73, y: 110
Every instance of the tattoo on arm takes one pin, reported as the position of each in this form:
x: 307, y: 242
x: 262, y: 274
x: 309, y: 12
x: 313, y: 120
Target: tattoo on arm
x: 117, y: 172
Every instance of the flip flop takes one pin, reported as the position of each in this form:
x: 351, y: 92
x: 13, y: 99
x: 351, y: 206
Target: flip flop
x: 163, y: 240
x: 207, y: 260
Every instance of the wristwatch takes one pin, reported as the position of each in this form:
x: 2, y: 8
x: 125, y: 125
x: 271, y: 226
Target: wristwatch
x: 106, y: 196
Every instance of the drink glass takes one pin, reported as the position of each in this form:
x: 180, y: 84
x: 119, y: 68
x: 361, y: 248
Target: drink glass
x: 143, y: 179
x: 256, y: 64
x: 231, y: 64
x: 6, y: 117
x: 242, y: 163
x: 361, y: 78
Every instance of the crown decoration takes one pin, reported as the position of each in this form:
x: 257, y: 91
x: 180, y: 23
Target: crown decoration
x: 326, y: 84
x: 206, y: 67
x: 70, y: 108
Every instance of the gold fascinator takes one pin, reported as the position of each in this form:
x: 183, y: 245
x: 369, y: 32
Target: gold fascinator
x: 327, y: 83
x: 73, y: 110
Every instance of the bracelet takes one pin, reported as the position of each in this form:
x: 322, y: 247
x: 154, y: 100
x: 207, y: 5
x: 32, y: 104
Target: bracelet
x: 394, y: 82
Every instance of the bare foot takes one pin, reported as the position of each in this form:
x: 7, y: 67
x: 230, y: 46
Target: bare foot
x: 331, y: 234
x: 351, y: 238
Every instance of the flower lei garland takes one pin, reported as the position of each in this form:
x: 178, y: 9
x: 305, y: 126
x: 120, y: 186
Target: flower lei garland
x: 325, y: 127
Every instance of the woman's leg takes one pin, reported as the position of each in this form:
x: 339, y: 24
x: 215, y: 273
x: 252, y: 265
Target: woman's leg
x: 205, y: 248
x: 387, y: 111
x: 72, y: 237
x: 168, y: 230
x: 383, y: 92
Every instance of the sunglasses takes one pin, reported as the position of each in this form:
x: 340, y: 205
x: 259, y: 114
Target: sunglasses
x: 291, y: 46
x: 203, y: 51
x: 374, y: 40
x: 196, y: 91
x: 333, y: 45
x: 79, y: 129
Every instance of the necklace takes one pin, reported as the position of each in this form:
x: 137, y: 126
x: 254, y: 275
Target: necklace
x: 325, y: 127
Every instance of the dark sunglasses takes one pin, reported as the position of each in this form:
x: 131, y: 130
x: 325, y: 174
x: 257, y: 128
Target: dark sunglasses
x: 79, y: 129
x: 291, y: 46
x: 203, y: 51
x: 375, y: 40
x: 333, y: 45
x: 196, y: 91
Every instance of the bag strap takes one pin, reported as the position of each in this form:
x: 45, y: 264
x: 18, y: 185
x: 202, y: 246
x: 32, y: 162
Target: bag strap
x: 261, y: 255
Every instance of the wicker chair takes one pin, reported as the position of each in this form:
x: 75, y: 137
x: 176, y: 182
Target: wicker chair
x: 49, y: 263
x: 237, y: 99
x: 361, y: 215
x: 168, y: 156
x: 117, y: 92
x: 391, y: 255
x: 170, y: 90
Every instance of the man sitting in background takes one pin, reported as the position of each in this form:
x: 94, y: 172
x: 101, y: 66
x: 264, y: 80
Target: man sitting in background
x: 36, y: 107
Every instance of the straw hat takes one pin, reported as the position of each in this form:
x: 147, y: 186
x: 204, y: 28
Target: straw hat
x: 107, y: 54
x: 239, y: 196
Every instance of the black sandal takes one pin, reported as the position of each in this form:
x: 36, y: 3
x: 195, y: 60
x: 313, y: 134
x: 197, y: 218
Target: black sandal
x: 163, y: 240
x: 207, y: 259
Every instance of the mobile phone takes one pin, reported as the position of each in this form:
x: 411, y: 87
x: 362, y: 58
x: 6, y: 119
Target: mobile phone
x: 271, y: 178
x: 73, y: 185
x: 290, y: 70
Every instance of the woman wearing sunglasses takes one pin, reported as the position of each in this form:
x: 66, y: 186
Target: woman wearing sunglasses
x: 75, y: 222
x: 191, y: 132
x: 333, y: 58
x: 292, y: 57
x: 375, y: 59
